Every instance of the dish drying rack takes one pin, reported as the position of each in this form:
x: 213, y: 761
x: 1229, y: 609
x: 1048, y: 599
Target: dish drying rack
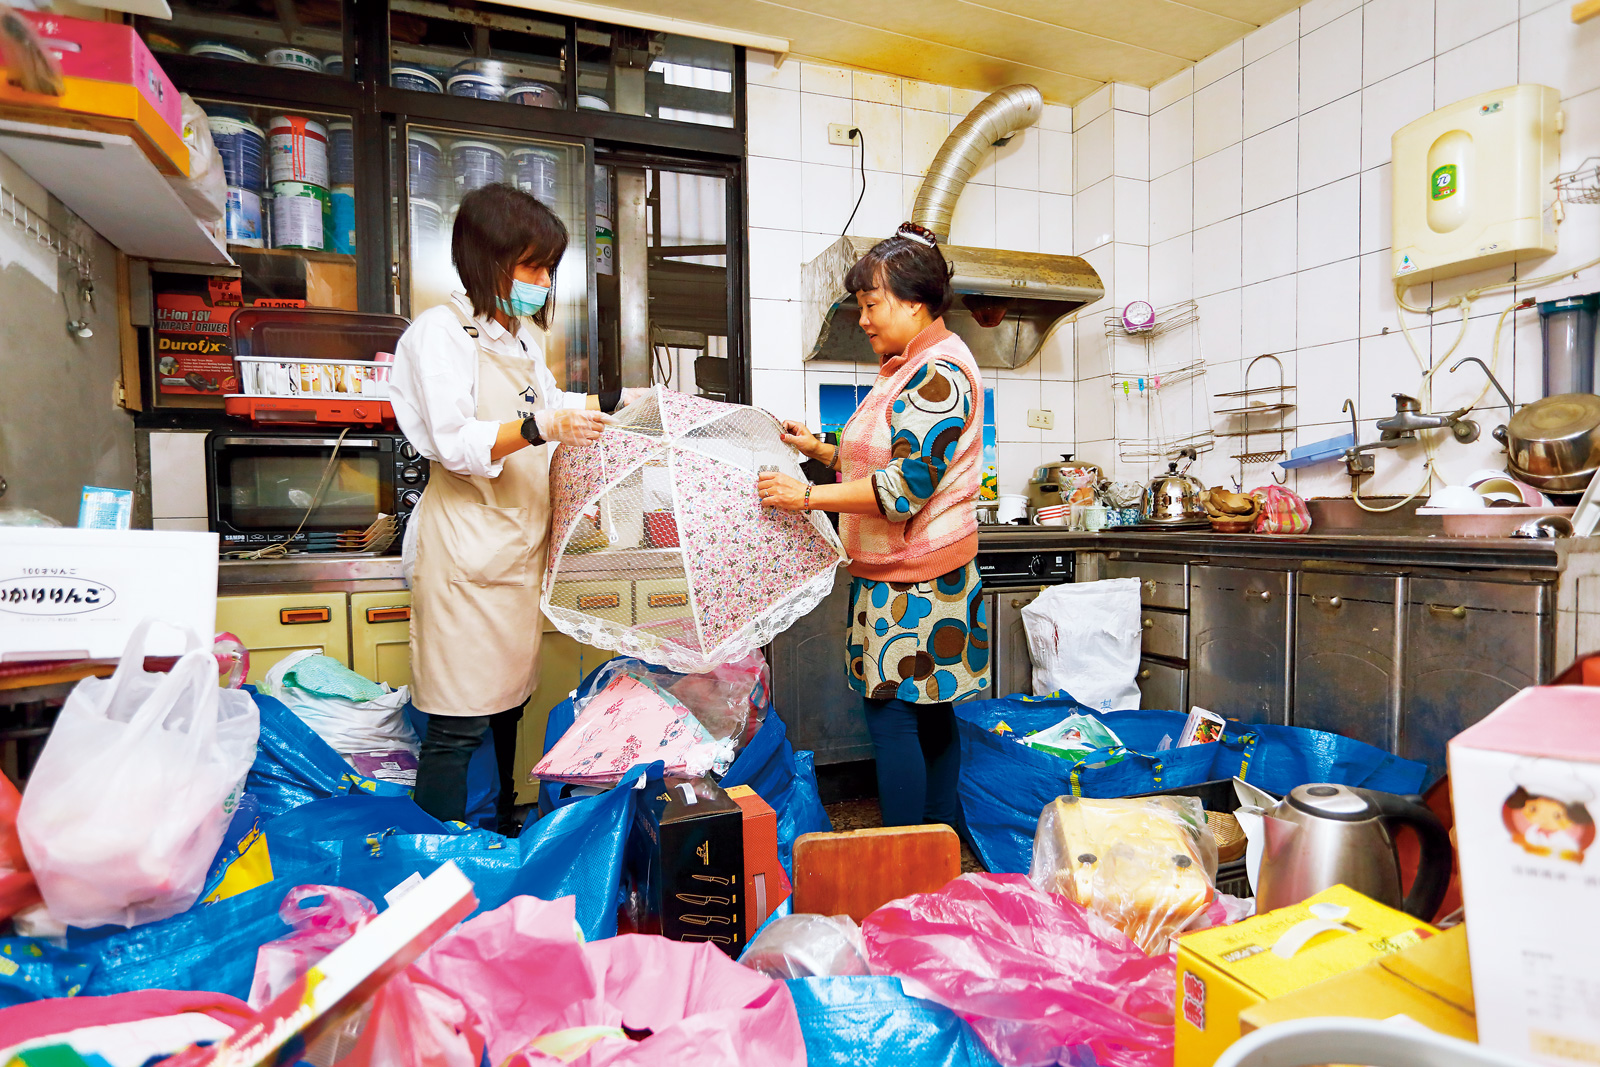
x: 1148, y: 386
x: 312, y: 390
x: 1275, y: 408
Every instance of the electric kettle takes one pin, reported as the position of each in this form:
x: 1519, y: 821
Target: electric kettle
x: 1325, y: 835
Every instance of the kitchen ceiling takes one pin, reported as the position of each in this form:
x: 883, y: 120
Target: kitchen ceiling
x: 1068, y: 48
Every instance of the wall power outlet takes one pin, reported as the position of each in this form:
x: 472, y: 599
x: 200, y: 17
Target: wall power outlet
x: 1041, y: 419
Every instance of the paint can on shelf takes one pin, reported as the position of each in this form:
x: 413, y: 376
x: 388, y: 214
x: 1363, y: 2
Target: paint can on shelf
x: 427, y: 225
x: 591, y: 102
x: 477, y: 85
x: 341, y: 153
x: 297, y: 215
x: 416, y: 79
x: 534, y: 94
x: 297, y: 150
x: 424, y: 166
x: 219, y: 50
x: 342, y: 235
x: 244, y: 217
x: 243, y: 148
x: 476, y: 164
x: 295, y: 59
x: 333, y: 65
x: 534, y: 170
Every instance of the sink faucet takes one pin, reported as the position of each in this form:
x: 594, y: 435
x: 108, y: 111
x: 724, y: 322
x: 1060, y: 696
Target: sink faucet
x: 1401, y: 427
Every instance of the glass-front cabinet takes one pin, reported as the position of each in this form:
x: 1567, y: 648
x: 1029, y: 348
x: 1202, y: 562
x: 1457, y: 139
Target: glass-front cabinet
x: 350, y: 132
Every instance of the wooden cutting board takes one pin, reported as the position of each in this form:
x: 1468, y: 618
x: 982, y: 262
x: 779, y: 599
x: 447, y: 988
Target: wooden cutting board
x: 858, y: 872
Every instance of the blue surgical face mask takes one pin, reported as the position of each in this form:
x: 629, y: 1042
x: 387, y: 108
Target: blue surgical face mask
x: 526, y: 298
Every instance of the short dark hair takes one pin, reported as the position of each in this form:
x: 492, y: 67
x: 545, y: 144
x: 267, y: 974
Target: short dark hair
x: 913, y: 270
x: 497, y: 228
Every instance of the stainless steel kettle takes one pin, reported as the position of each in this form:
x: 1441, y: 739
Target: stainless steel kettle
x: 1325, y: 835
x: 1174, y: 497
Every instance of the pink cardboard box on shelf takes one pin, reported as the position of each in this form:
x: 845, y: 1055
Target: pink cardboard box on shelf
x: 1525, y: 786
x: 109, y: 52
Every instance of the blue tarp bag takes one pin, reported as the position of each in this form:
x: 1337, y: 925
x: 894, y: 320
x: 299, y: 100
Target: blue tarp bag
x: 784, y: 778
x: 210, y: 946
x: 295, y: 766
x: 31, y: 970
x: 1005, y: 785
x: 871, y: 1022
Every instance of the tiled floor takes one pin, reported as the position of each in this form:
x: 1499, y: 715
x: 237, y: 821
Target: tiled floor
x: 861, y: 814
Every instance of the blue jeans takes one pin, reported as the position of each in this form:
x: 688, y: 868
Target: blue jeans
x: 918, y: 760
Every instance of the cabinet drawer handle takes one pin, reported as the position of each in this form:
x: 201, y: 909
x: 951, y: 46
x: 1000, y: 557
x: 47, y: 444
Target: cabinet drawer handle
x: 1144, y: 675
x: 302, y: 616
x: 1259, y: 594
x: 1333, y: 602
x: 1149, y: 624
x: 1457, y: 612
x: 400, y: 613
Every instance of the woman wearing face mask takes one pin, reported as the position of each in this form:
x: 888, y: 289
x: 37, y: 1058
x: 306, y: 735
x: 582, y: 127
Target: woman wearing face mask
x: 911, y: 458
x: 471, y: 392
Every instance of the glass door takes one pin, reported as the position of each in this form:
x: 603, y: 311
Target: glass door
x: 661, y: 277
x: 442, y: 165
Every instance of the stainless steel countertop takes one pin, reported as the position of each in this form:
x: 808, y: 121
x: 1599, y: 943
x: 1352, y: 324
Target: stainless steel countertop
x: 311, y: 572
x: 1379, y: 549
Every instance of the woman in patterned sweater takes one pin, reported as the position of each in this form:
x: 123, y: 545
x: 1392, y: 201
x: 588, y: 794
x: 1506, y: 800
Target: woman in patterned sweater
x: 910, y: 460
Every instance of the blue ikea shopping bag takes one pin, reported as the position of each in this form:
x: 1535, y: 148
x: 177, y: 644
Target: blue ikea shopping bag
x: 769, y: 764
x: 31, y: 969
x: 862, y: 1021
x: 1004, y: 785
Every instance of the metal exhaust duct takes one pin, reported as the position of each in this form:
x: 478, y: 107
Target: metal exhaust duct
x: 1006, y: 302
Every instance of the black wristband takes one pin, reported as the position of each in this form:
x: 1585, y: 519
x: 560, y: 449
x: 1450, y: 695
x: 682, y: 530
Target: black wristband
x: 530, y: 431
x: 609, y: 401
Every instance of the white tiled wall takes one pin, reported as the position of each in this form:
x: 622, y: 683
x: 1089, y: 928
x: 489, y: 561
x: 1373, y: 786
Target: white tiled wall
x: 802, y: 191
x: 1266, y: 198
x: 1255, y: 183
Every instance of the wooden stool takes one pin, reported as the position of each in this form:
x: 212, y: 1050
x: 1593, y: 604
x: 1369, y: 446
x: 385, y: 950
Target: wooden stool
x: 858, y: 872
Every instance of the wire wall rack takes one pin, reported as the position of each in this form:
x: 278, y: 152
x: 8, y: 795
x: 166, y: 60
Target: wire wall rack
x: 1167, y: 319
x: 35, y: 227
x: 1157, y: 384
x: 1581, y: 185
x: 1267, y: 404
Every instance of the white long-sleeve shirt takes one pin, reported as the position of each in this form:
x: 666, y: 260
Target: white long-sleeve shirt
x: 434, y: 390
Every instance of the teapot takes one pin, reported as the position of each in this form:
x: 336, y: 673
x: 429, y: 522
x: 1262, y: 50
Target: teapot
x: 1323, y: 835
x: 1063, y: 483
x: 1174, y: 497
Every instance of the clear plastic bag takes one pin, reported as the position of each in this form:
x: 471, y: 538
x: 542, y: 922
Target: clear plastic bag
x: 730, y: 700
x: 808, y: 946
x: 1040, y: 978
x: 1147, y: 865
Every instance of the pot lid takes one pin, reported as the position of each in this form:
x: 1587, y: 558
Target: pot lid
x: 1336, y: 802
x: 1556, y: 418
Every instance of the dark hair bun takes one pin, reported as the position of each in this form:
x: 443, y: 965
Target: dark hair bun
x: 910, y: 266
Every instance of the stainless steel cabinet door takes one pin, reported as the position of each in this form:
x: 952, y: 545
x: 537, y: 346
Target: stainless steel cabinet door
x: 1013, y: 663
x: 810, y: 691
x: 1345, y: 674
x: 1161, y: 686
x: 1469, y: 646
x: 1161, y: 585
x: 1238, y: 645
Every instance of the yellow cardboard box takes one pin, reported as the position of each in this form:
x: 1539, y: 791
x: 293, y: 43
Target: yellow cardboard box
x: 1430, y: 983
x: 1225, y: 970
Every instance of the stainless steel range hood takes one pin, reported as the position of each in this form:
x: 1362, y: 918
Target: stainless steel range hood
x: 1006, y: 302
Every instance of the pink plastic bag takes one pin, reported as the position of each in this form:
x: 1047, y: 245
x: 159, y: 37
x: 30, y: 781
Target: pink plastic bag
x: 318, y: 930
x: 1034, y: 973
x: 525, y: 983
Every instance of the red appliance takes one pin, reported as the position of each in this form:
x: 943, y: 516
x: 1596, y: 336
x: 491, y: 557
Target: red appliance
x: 311, y: 367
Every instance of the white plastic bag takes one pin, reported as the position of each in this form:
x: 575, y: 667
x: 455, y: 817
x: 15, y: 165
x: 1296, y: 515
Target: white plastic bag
x: 349, y: 726
x: 1084, y: 640
x: 134, y: 789
x: 205, y: 191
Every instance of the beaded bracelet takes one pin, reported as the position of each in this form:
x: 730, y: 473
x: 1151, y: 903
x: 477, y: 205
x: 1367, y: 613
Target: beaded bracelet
x: 806, y: 504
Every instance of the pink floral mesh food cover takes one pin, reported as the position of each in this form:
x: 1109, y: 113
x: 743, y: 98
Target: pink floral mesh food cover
x: 660, y: 547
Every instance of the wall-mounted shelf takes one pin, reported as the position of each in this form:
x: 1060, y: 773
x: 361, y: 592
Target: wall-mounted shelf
x: 108, y: 182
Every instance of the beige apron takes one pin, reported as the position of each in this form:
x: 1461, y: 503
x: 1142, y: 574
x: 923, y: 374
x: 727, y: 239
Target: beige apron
x: 481, y: 542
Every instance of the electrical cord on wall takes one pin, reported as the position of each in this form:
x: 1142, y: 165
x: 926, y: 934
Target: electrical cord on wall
x: 857, y: 135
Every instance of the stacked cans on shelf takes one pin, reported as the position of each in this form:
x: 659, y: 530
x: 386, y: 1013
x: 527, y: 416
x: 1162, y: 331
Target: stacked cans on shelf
x: 290, y: 185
